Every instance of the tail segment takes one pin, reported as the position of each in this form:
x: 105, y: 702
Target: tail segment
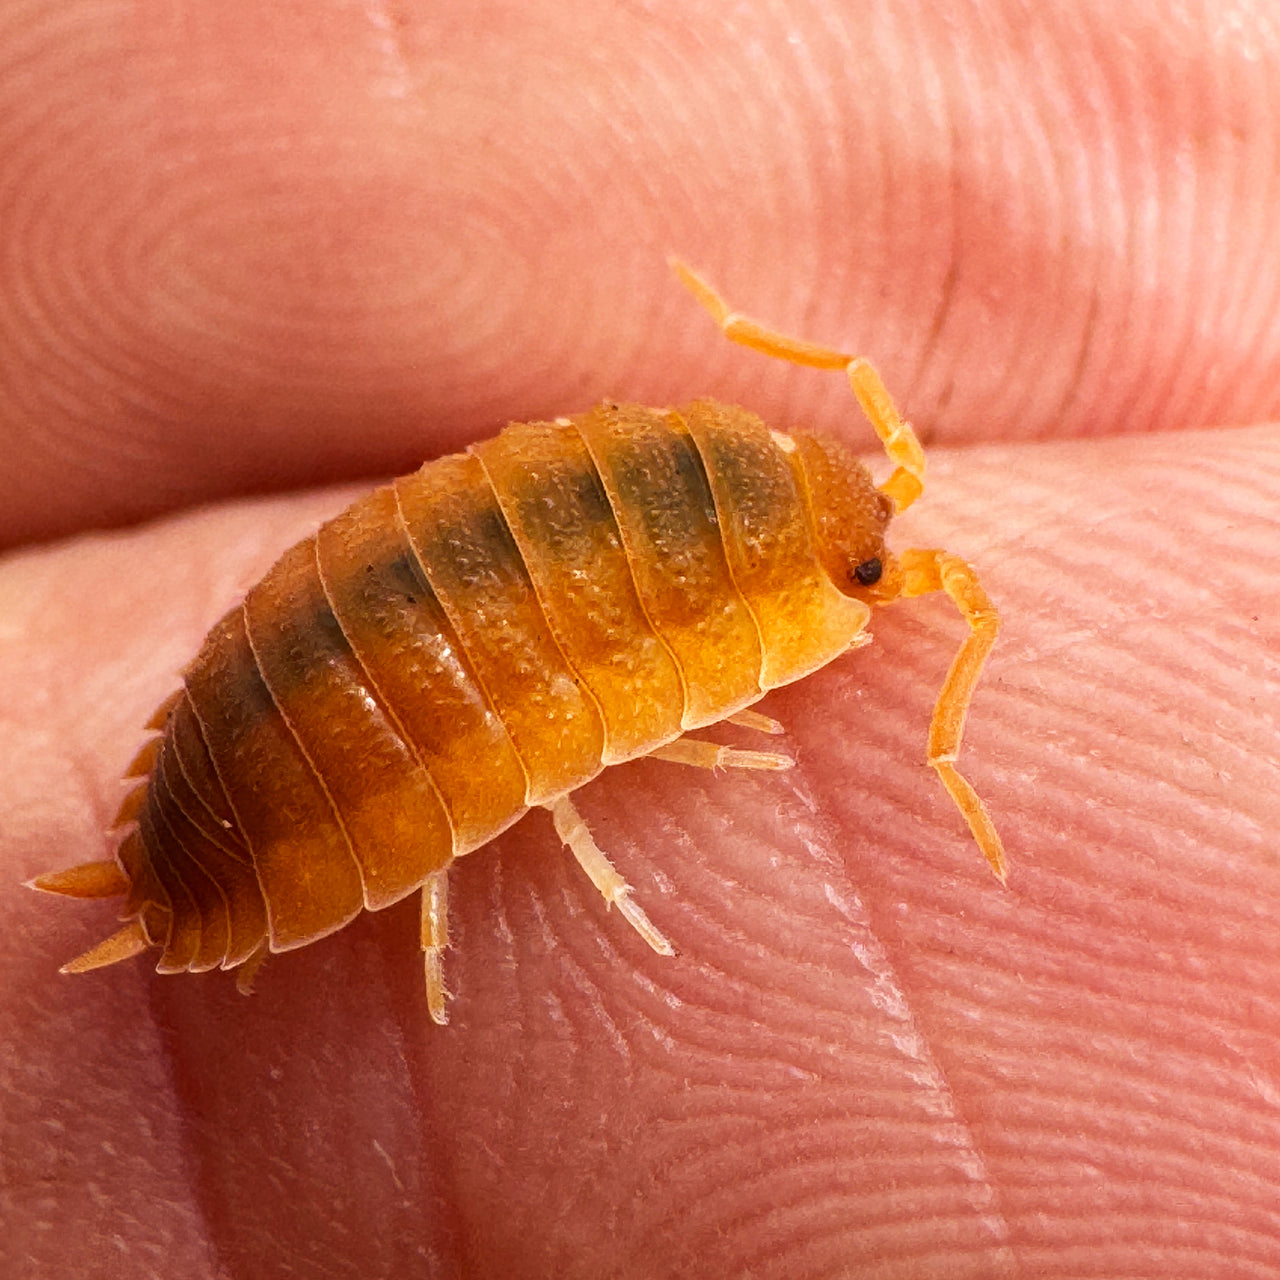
x: 88, y: 880
x: 129, y: 942
x: 95, y: 880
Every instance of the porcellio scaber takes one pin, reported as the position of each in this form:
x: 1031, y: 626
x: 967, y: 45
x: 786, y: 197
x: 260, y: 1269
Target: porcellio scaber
x: 488, y: 634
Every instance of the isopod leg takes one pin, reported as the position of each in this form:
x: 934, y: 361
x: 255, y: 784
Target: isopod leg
x: 571, y: 828
x: 922, y: 573
x: 707, y: 755
x: 435, y: 938
x: 248, y: 972
x: 754, y: 720
x: 906, y: 483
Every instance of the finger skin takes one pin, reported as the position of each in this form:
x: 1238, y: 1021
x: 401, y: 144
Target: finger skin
x: 867, y: 1057
x: 251, y: 250
x: 245, y: 250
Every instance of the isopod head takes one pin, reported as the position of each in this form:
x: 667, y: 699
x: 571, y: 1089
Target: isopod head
x: 850, y: 516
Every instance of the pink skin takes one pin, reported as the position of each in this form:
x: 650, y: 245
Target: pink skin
x: 249, y: 249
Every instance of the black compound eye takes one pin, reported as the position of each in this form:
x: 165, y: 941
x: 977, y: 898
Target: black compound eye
x: 869, y: 571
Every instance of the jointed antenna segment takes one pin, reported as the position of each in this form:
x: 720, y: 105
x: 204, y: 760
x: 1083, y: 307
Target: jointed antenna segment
x: 901, y: 446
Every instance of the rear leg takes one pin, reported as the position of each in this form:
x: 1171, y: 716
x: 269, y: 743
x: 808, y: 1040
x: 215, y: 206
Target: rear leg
x: 435, y: 938
x: 247, y: 973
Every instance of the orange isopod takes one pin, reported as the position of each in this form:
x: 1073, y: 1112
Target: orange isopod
x: 487, y: 635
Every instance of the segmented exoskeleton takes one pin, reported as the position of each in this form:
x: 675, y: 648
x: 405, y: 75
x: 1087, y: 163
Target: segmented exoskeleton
x: 487, y: 635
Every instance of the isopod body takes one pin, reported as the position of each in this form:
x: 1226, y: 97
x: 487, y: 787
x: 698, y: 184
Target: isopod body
x: 487, y: 635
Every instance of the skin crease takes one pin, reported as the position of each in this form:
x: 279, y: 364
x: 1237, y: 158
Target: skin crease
x: 247, y: 250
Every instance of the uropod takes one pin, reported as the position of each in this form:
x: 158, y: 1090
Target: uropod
x: 487, y: 635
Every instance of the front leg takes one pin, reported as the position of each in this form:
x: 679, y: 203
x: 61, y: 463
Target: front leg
x: 572, y: 829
